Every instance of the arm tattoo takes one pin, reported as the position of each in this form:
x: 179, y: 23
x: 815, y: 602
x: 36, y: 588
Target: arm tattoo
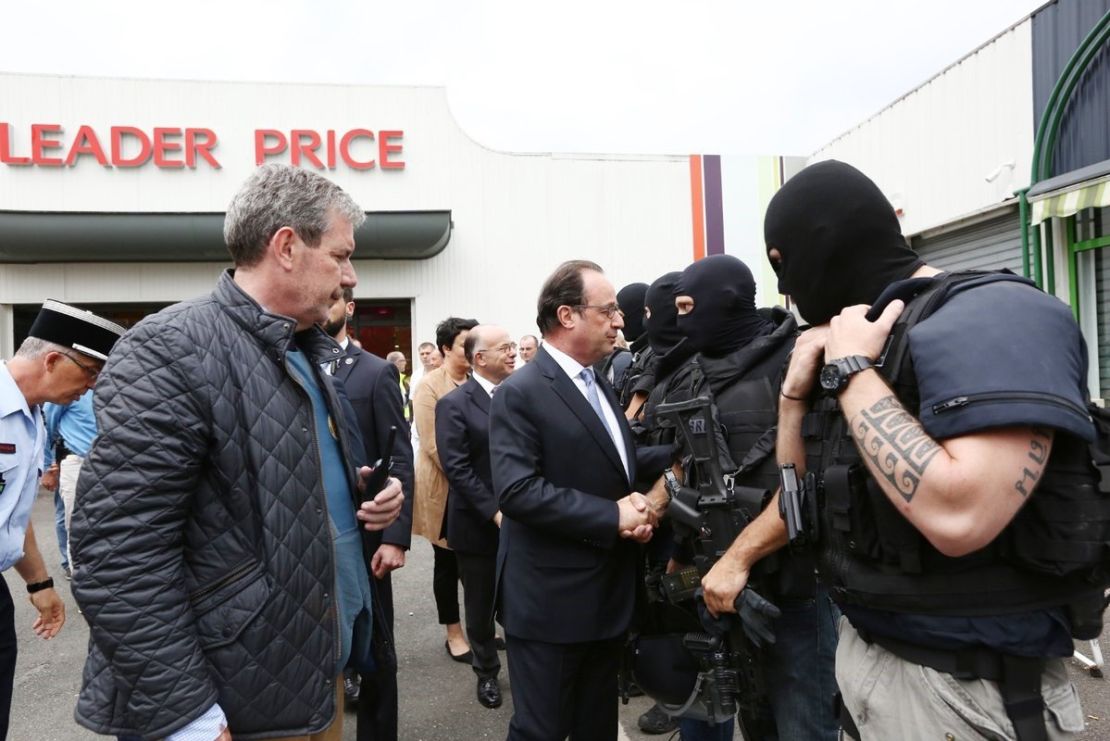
x: 897, y: 445
x: 1038, y: 454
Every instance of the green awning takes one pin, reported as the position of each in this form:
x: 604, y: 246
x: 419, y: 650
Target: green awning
x: 1092, y: 195
x: 39, y: 236
x: 1071, y: 192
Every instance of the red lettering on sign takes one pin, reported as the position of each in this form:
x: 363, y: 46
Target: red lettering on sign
x: 385, y: 149
x: 6, y: 155
x: 200, y: 141
x: 163, y: 144
x: 40, y: 144
x: 262, y: 150
x: 298, y: 137
x: 86, y: 142
x: 345, y: 149
x: 118, y: 133
x: 175, y: 147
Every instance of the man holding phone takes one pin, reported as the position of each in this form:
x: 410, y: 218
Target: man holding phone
x: 372, y: 386
x: 219, y: 501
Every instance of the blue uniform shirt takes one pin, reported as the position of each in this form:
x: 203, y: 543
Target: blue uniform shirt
x: 74, y: 423
x: 21, y: 442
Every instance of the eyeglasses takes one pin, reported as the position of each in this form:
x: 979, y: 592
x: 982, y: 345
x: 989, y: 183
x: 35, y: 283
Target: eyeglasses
x: 91, y: 372
x: 609, y: 310
x: 507, y: 347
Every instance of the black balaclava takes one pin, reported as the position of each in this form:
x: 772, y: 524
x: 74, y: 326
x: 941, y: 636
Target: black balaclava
x: 661, y: 326
x: 724, y: 317
x: 631, y: 300
x: 839, y: 238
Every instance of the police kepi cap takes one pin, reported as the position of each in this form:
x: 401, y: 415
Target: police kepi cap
x: 81, y: 330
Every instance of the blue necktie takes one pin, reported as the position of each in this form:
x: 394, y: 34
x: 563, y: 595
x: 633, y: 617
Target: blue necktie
x: 587, y: 376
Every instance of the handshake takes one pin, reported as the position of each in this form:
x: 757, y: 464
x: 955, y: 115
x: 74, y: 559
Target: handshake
x: 640, y: 513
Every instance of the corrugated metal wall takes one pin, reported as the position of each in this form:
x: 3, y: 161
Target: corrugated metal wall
x: 1058, y: 29
x: 988, y: 245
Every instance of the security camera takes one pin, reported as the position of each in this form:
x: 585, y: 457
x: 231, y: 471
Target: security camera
x: 998, y: 171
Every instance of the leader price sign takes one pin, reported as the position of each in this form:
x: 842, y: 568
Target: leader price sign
x: 52, y: 145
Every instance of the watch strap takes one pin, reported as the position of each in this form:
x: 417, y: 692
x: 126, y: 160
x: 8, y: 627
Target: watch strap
x: 854, y: 364
x: 38, y: 586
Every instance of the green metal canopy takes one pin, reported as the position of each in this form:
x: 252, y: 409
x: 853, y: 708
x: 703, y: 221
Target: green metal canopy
x: 1066, y: 194
x: 41, y: 236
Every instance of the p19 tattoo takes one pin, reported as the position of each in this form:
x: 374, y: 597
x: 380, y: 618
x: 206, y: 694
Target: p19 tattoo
x: 1039, y: 448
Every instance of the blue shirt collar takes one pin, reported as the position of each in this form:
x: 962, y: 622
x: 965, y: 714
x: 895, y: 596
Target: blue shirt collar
x: 11, y: 398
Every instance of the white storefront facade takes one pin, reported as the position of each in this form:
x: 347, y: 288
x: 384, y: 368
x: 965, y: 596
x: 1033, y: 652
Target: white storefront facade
x: 112, y: 192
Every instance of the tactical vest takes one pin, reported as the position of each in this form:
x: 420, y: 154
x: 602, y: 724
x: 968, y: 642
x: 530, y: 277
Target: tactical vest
x: 1053, y: 553
x: 639, y: 377
x: 744, y: 386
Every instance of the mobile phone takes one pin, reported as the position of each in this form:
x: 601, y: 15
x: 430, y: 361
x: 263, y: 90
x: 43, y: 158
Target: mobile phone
x: 377, y: 479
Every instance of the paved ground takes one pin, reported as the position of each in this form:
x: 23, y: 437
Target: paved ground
x: 437, y: 695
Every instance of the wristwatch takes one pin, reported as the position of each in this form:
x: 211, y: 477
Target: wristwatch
x: 835, y: 375
x: 38, y: 586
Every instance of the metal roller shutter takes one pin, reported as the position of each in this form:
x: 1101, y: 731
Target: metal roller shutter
x: 988, y: 245
x: 1096, y: 227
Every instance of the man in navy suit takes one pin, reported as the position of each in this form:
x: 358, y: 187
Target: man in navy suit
x: 564, y: 469
x: 372, y: 387
x: 473, y: 517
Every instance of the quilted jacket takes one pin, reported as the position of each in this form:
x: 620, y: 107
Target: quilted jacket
x: 202, y: 544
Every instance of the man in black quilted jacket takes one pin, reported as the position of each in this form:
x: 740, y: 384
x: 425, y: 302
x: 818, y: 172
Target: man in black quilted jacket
x: 217, y: 518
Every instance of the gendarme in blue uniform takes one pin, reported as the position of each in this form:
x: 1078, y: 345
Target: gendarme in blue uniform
x: 21, y: 444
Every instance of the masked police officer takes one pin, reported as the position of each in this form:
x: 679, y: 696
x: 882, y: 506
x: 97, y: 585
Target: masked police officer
x: 954, y: 486
x: 742, y: 352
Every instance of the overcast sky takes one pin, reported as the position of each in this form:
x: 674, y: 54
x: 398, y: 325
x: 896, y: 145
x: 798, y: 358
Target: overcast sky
x: 687, y: 76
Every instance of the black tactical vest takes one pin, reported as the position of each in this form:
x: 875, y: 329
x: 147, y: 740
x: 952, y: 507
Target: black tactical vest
x: 1054, y: 553
x: 744, y: 386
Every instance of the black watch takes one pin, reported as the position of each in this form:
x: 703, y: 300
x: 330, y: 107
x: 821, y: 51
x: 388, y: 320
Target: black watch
x: 38, y: 586
x: 835, y: 375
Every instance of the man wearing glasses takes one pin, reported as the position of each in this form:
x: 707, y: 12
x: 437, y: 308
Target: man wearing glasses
x: 473, y: 516
x: 58, y: 362
x: 564, y: 469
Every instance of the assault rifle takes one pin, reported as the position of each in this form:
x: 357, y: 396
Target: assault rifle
x: 709, y: 516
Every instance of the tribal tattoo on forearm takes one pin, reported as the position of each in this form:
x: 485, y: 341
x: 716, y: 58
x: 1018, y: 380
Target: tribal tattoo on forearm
x: 896, y: 444
x: 1039, y: 447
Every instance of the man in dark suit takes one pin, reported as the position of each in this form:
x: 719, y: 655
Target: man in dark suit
x: 372, y: 387
x: 473, y: 517
x: 563, y: 468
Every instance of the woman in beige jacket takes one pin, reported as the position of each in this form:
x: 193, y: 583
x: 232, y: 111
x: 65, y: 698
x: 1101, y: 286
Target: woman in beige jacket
x: 430, y: 499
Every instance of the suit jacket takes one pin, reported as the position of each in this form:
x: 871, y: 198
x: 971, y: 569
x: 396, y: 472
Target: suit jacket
x: 372, y: 386
x: 431, y: 484
x: 564, y: 574
x: 462, y: 438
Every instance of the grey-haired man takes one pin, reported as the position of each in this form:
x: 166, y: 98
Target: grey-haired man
x: 58, y: 362
x: 218, y: 556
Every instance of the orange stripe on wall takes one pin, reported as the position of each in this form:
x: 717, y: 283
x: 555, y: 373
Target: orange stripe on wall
x: 696, y: 203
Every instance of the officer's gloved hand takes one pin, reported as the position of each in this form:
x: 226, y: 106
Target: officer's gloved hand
x: 714, y: 626
x: 756, y: 616
x: 754, y: 612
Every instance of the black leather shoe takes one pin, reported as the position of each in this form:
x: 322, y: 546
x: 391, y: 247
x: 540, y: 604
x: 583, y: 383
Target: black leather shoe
x: 489, y: 692
x: 499, y: 642
x: 655, y: 721
x: 351, y: 688
x: 463, y: 658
